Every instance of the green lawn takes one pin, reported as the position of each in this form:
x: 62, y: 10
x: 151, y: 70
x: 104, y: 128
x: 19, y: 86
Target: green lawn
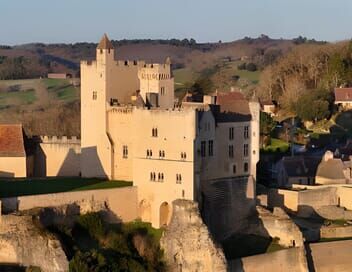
x: 184, y: 75
x: 61, y: 88
x: 277, y: 145
x: 20, y: 187
x: 18, y: 97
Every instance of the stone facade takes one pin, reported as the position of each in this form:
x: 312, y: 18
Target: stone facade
x: 131, y: 129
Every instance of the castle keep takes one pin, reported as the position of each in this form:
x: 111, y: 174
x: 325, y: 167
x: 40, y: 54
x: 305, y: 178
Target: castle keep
x: 133, y: 129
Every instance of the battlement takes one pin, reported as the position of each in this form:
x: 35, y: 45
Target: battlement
x: 59, y: 140
x: 88, y: 62
x: 140, y: 63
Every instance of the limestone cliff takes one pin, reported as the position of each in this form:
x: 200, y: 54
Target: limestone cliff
x: 25, y: 243
x: 187, y: 242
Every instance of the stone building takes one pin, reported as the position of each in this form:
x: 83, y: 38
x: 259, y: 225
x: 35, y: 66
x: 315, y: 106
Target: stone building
x: 132, y: 129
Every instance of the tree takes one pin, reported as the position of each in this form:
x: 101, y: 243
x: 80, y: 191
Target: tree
x: 267, y: 123
x: 314, y: 105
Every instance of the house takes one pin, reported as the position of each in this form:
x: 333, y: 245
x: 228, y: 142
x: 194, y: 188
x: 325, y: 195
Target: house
x: 333, y: 170
x: 268, y: 107
x: 59, y: 75
x: 296, y: 170
x: 13, y: 161
x: 343, y: 97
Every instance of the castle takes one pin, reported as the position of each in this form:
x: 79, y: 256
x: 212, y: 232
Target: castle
x: 133, y: 129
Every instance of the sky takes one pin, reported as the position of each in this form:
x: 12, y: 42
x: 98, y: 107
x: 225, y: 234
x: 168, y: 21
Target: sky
x: 66, y: 21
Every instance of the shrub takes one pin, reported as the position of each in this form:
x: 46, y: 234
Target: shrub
x: 93, y: 223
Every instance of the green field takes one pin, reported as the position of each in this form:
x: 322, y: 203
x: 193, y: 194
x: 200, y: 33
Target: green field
x: 17, y: 97
x: 276, y: 145
x: 184, y: 76
x: 21, y: 187
x: 61, y: 89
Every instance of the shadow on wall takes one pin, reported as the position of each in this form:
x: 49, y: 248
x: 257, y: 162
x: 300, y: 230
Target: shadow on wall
x: 4, y: 174
x: 91, y: 165
x: 69, y: 167
x: 230, y: 213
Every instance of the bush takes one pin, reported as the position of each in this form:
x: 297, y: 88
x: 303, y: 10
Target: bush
x: 251, y: 67
x: 93, y: 223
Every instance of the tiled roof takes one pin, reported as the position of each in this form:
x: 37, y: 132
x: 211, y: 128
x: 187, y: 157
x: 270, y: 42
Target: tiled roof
x: 343, y: 94
x: 234, y: 103
x: 11, y: 141
x: 105, y: 43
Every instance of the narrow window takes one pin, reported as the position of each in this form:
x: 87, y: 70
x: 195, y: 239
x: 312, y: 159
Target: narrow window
x: 155, y: 132
x: 234, y: 170
x: 162, y: 90
x: 178, y: 179
x: 151, y: 176
x: 162, y: 176
x: 183, y: 193
x: 231, y: 133
x: 95, y: 95
x: 125, y: 151
x: 231, y: 151
x: 148, y: 153
x: 246, y: 132
x: 210, y: 148
x: 245, y: 150
x: 203, y: 148
x: 245, y: 167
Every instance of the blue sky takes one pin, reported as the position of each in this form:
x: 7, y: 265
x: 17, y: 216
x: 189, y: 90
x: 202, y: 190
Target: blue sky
x: 24, y: 21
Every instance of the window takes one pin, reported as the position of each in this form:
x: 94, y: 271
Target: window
x: 231, y: 133
x: 183, y: 155
x: 95, y: 95
x: 154, y: 132
x: 160, y: 177
x: 125, y: 151
x: 246, y: 132
x: 210, y: 148
x: 234, y: 170
x: 178, y: 179
x: 149, y: 153
x: 245, y: 167
x: 203, y: 149
x: 230, y: 151
x: 162, y: 90
x: 152, y: 176
x: 245, y: 150
x: 161, y: 154
x: 183, y: 193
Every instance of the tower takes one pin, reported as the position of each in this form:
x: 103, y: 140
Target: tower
x: 95, y: 143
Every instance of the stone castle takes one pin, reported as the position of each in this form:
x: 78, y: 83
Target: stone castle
x: 133, y: 128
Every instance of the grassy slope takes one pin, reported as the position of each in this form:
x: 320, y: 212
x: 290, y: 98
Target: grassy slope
x: 10, y: 188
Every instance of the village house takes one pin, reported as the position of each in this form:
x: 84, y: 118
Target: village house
x: 343, y: 97
x: 296, y: 170
x: 13, y: 160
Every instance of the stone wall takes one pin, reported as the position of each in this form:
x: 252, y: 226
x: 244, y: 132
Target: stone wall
x: 187, y: 243
x: 58, y: 157
x: 336, y: 232
x: 332, y: 256
x: 293, y: 260
x: 278, y: 224
x: 283, y: 198
x: 120, y: 201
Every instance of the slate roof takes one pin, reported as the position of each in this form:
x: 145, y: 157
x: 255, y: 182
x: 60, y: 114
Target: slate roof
x: 302, y: 166
x: 105, y: 43
x: 331, y: 169
x: 343, y: 94
x: 11, y: 141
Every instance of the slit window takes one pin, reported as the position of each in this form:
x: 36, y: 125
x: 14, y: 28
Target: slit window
x: 125, y: 151
x: 95, y: 95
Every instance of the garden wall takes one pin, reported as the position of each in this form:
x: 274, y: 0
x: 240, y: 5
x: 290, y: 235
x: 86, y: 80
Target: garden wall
x: 121, y: 201
x: 293, y: 260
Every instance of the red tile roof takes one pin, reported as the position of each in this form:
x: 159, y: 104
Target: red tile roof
x: 343, y: 94
x: 11, y: 141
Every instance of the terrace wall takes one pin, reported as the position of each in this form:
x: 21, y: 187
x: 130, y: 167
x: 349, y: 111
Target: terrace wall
x: 121, y: 201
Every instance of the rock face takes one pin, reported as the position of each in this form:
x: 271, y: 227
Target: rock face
x: 25, y: 243
x: 187, y: 242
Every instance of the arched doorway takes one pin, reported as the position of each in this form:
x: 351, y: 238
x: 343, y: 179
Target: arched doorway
x: 145, y: 211
x: 164, y: 214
